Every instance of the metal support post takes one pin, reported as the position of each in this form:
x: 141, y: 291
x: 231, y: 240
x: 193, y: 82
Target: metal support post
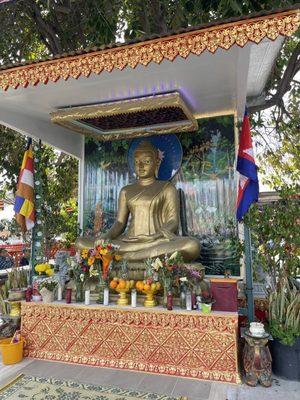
x: 249, y: 274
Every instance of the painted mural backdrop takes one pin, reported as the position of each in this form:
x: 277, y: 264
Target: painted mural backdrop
x: 207, y: 177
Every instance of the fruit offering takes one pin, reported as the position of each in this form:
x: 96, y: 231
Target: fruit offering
x: 119, y: 283
x: 149, y: 287
x: 122, y: 286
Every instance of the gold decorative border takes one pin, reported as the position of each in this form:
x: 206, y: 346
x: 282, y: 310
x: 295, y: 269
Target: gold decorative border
x: 45, y: 326
x: 70, y: 117
x: 196, y: 42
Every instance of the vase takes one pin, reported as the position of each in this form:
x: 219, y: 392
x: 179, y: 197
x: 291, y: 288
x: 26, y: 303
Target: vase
x: 206, y: 308
x: 106, y: 260
x: 47, y: 295
x: 167, y: 289
x: 79, y: 292
x: 101, y: 286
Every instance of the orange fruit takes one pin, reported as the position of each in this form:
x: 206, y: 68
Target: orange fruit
x: 113, y: 284
x: 122, y: 284
x: 139, y: 285
x: 147, y: 287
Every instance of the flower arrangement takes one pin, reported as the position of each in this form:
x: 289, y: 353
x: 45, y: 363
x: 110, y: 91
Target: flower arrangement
x: 99, y: 260
x: 48, y: 283
x: 167, y: 268
x: 206, y: 297
x: 44, y: 269
x: 79, y: 270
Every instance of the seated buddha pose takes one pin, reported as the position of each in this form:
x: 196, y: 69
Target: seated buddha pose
x: 149, y: 209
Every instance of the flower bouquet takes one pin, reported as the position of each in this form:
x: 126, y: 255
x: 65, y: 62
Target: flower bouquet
x: 206, y: 301
x: 44, y: 269
x: 46, y: 289
x: 80, y: 272
x: 167, y: 269
x: 100, y: 261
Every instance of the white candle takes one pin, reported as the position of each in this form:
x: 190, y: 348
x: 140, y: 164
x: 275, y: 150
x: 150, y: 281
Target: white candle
x: 188, y: 300
x: 105, y: 297
x: 59, y: 293
x: 133, y: 298
x: 87, y: 297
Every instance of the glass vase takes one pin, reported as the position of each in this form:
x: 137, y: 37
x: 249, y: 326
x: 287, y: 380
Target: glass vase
x: 101, y: 286
x: 167, y: 289
x: 79, y: 292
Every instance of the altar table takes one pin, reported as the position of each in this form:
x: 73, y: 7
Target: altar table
x: 181, y: 343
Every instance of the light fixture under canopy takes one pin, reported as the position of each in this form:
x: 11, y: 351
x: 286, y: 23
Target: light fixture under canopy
x: 122, y: 119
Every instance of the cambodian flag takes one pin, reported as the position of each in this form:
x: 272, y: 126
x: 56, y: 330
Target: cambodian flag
x: 248, y: 181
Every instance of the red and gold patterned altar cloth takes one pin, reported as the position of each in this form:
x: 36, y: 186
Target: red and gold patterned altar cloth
x: 180, y: 343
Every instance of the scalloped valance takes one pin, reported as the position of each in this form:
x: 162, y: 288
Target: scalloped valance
x: 222, y: 36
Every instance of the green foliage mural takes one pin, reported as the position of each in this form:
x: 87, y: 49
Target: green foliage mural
x: 206, y: 176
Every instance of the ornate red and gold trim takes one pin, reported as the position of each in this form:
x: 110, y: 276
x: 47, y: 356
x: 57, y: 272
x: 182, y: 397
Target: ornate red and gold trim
x: 182, y: 343
x: 194, y: 42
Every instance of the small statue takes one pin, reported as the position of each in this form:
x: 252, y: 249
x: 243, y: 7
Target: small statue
x: 150, y: 210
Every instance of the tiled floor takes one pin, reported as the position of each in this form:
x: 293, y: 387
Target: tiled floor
x: 193, y: 389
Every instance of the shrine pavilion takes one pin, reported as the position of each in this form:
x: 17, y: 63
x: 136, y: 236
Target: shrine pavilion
x: 193, y: 84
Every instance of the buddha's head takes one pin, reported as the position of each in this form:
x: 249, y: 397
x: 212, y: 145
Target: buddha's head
x: 146, y: 160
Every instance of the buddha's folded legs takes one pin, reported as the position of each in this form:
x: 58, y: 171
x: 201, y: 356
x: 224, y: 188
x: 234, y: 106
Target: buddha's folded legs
x: 189, y: 248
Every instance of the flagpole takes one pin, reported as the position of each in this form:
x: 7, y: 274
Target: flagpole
x: 249, y: 273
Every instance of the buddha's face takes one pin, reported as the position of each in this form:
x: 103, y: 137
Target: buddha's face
x: 144, y: 164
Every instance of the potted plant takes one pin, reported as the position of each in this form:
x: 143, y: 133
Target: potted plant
x: 17, y: 280
x: 46, y: 288
x: 275, y: 235
x: 206, y: 301
x: 284, y: 326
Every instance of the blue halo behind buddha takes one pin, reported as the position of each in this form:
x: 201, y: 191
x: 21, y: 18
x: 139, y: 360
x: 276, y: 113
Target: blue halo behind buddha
x: 170, y: 152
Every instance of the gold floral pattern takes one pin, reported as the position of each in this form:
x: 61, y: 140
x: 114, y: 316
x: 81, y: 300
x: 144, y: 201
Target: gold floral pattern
x: 196, y: 42
x: 177, y: 343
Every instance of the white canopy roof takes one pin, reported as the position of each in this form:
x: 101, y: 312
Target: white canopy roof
x: 211, y: 84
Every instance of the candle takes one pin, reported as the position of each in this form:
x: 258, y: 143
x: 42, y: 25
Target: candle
x: 68, y: 295
x: 194, y: 301
x: 105, y: 296
x: 59, y: 293
x: 169, y: 301
x: 188, y: 301
x: 28, y: 293
x: 133, y: 298
x: 87, y: 297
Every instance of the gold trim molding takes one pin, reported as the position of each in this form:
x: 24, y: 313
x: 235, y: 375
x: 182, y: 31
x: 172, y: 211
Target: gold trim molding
x: 195, y: 42
x: 71, y: 117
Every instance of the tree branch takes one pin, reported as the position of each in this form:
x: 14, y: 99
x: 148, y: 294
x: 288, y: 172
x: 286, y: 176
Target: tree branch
x: 46, y: 31
x: 284, y: 84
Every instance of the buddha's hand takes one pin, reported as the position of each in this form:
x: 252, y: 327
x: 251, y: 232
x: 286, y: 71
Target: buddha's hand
x: 143, y: 238
x: 99, y: 240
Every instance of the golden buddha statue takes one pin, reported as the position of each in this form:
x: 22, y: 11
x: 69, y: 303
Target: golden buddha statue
x: 153, y: 208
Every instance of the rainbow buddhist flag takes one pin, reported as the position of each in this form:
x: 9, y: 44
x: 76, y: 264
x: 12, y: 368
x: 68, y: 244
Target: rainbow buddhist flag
x: 24, y: 201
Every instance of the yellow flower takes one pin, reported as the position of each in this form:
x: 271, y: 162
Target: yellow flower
x: 84, y: 253
x: 103, y: 251
x: 91, y: 260
x: 41, y: 268
x: 118, y: 257
x: 49, y: 272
